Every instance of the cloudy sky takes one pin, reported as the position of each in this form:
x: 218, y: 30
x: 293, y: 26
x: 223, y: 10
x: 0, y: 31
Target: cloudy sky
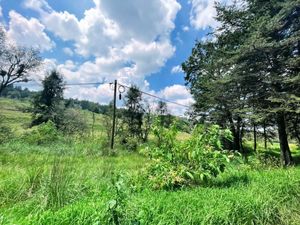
x: 139, y: 42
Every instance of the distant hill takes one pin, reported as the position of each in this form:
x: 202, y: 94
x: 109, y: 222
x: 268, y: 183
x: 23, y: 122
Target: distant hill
x: 16, y: 92
x: 18, y: 118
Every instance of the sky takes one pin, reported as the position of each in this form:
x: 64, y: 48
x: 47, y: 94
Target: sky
x: 138, y: 42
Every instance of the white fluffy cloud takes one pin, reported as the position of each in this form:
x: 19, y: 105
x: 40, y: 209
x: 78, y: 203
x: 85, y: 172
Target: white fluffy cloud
x: 1, y: 11
x: 129, y: 39
x: 68, y: 51
x: 124, y: 40
x: 111, y: 24
x: 38, y: 5
x: 177, y: 69
x: 185, y: 28
x: 28, y: 32
x: 178, y: 94
x: 203, y: 13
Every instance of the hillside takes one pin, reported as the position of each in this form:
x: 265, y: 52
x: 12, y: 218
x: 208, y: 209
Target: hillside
x: 71, y: 181
x: 18, y: 118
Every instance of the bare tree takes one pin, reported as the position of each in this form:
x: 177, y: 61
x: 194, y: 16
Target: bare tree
x: 16, y: 62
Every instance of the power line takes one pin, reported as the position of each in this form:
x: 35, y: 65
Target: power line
x: 84, y: 84
x: 157, y: 97
x: 123, y: 85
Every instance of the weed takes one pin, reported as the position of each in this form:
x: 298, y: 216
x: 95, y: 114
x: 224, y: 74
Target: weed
x: 176, y: 164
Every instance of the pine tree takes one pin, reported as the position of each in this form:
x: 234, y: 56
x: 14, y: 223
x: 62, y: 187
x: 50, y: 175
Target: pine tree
x: 48, y: 104
x: 133, y: 115
x: 250, y: 71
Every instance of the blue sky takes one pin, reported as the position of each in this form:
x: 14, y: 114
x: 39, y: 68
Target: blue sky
x: 135, y: 41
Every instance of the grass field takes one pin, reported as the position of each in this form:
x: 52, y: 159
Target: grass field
x: 73, y: 183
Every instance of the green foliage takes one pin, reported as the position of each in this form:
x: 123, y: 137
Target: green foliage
x: 133, y: 115
x: 45, y: 133
x: 56, y: 187
x: 88, y: 105
x: 268, y: 160
x: 17, y: 92
x: 48, y: 104
x: 84, y: 192
x: 116, y: 207
x: 6, y: 133
x: 184, y: 163
x: 73, y: 122
x: 131, y: 143
x: 249, y: 71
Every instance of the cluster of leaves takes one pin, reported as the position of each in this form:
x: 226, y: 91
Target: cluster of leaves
x: 48, y: 105
x: 183, y: 163
x: 45, y: 133
x: 116, y: 206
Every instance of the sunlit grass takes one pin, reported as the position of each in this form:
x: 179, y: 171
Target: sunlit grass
x: 70, y: 182
x: 37, y: 188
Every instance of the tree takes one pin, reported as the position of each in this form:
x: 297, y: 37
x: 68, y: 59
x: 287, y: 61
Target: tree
x: 16, y: 63
x: 48, y: 104
x: 250, y: 71
x: 147, y: 121
x: 162, y: 111
x: 218, y: 96
x: 267, y: 58
x: 133, y: 115
x: 164, y: 116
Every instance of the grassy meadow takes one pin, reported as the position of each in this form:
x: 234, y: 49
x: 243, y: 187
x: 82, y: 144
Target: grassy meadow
x: 72, y: 181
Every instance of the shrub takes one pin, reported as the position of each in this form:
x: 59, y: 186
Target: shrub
x: 72, y: 122
x: 45, y: 133
x: 176, y: 164
x: 131, y: 143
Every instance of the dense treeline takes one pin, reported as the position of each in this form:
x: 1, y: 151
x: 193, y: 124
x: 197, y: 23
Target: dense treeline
x: 247, y: 77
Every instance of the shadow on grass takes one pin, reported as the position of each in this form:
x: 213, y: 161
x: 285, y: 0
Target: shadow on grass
x: 297, y: 159
x: 228, y: 182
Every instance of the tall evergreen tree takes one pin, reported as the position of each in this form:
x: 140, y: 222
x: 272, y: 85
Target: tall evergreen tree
x: 133, y: 115
x: 251, y: 67
x: 164, y: 116
x: 48, y: 104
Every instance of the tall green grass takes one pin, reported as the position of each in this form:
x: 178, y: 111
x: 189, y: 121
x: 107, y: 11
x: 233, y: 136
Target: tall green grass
x: 42, y: 188
x: 74, y: 181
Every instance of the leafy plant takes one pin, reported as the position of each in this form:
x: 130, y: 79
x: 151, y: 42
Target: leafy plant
x: 73, y: 122
x: 176, y: 164
x: 43, y: 134
x: 116, y: 206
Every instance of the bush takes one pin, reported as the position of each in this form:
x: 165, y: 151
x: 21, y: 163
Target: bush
x: 45, y: 133
x: 131, y: 143
x: 72, y: 122
x: 176, y: 164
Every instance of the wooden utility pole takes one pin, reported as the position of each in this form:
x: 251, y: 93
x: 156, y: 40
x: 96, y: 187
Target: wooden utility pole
x: 114, y: 116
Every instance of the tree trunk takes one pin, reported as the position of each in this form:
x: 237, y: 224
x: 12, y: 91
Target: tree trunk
x: 236, y: 145
x: 254, y: 137
x: 286, y: 156
x: 265, y: 136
